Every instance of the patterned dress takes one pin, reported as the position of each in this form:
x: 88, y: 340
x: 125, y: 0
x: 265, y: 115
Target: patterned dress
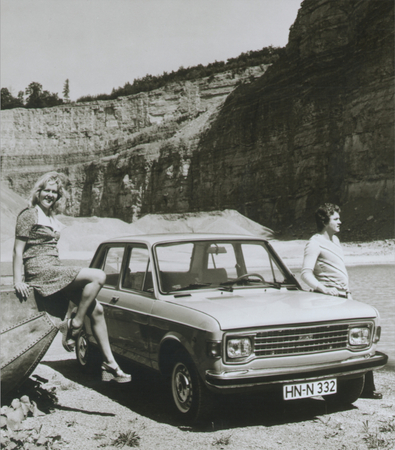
x: 43, y: 268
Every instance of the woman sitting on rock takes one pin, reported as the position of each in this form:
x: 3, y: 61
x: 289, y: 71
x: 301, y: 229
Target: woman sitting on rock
x: 36, y: 257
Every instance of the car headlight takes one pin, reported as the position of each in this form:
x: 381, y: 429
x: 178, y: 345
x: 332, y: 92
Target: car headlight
x: 359, y: 336
x: 239, y: 348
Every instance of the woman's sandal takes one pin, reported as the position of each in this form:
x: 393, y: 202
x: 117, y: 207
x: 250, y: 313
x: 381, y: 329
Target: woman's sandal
x: 69, y: 334
x: 117, y: 374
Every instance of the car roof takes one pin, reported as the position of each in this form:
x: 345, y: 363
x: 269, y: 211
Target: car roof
x: 177, y: 237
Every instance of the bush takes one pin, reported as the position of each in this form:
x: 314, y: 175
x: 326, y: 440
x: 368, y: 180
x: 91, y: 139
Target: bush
x: 267, y: 55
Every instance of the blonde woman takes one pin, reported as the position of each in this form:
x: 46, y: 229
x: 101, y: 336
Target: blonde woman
x: 36, y: 264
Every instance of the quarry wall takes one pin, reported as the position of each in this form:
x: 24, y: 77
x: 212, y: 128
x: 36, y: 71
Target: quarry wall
x: 272, y: 142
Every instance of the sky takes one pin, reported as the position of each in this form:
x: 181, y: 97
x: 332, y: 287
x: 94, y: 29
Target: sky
x: 102, y: 44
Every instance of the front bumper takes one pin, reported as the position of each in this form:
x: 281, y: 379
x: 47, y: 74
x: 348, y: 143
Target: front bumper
x: 249, y: 379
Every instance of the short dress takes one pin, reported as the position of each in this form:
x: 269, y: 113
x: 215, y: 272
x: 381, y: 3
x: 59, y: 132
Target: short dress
x: 43, y: 269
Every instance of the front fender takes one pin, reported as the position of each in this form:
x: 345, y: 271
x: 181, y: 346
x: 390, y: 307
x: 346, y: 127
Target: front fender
x: 194, y: 344
x: 169, y: 345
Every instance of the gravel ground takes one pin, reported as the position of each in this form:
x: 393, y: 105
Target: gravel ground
x: 89, y: 414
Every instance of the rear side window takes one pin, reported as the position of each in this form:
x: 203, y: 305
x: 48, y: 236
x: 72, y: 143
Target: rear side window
x: 112, y: 265
x: 138, y: 274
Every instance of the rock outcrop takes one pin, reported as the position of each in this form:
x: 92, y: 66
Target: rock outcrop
x: 34, y: 141
x: 316, y: 126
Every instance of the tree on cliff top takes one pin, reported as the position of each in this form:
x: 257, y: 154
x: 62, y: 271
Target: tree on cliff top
x: 66, y: 90
x: 34, y: 92
x: 35, y: 98
x: 8, y: 101
x: 268, y: 55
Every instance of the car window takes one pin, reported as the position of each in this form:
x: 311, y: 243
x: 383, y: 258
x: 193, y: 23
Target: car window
x: 222, y: 256
x: 202, y: 264
x: 257, y: 260
x: 175, y: 257
x: 112, y: 265
x: 174, y: 264
x: 138, y: 274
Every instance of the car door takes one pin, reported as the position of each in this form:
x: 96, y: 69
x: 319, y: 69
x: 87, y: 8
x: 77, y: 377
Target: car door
x: 129, y: 304
x: 111, y: 264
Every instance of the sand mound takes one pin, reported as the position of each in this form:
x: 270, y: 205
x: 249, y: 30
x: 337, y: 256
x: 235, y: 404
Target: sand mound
x: 11, y: 204
x: 79, y: 238
x: 81, y: 235
x: 227, y: 221
x: 84, y: 234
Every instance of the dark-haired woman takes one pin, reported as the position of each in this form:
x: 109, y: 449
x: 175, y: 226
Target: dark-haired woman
x: 323, y: 264
x: 36, y: 264
x: 324, y: 269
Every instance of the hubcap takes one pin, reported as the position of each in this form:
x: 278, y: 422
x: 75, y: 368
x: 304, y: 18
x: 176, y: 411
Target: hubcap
x: 182, y: 388
x: 82, y: 349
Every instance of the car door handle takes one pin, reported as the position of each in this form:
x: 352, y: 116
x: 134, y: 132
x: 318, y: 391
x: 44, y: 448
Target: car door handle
x: 114, y: 300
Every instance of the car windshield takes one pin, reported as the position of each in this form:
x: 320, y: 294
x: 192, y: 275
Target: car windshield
x: 216, y: 264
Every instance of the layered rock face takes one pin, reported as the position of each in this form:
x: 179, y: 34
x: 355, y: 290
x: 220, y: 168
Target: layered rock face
x: 316, y: 126
x: 81, y: 140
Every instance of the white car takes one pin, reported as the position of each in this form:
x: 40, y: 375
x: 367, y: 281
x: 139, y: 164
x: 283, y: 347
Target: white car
x: 222, y: 313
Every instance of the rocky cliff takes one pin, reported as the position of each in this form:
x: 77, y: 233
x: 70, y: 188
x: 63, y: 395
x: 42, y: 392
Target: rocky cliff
x: 315, y: 126
x: 82, y: 139
x: 318, y: 126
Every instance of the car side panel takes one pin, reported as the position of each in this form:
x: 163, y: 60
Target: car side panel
x: 190, y: 328
x: 128, y: 323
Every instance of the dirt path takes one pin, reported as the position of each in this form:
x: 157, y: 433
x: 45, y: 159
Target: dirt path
x: 90, y: 415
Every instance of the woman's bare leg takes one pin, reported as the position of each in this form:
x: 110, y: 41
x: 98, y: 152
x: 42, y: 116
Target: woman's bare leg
x: 99, y: 330
x: 90, y: 281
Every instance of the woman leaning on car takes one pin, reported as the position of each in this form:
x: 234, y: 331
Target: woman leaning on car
x: 36, y: 264
x: 324, y: 269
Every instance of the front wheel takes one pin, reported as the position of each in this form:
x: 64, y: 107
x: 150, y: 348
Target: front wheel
x: 348, y: 391
x: 191, y: 398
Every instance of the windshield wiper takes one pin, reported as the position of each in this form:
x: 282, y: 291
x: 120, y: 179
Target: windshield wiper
x: 191, y: 286
x: 225, y: 288
x: 275, y: 284
x: 244, y: 281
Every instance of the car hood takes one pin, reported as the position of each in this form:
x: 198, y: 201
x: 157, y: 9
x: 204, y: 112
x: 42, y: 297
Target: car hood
x: 254, y: 308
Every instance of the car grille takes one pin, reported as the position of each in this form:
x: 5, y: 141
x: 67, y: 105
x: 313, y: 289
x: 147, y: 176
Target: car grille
x: 303, y: 340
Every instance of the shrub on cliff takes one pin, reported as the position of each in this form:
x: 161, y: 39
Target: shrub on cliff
x: 267, y: 55
x: 8, y: 101
x: 36, y: 98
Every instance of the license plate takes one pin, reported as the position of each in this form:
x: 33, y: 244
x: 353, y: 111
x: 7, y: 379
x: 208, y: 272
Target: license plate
x: 312, y: 389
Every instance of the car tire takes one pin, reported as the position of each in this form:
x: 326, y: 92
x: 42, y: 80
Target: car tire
x: 348, y: 391
x: 88, y: 356
x: 192, y: 400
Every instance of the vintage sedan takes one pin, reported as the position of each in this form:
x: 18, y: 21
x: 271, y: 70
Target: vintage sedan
x: 223, y: 313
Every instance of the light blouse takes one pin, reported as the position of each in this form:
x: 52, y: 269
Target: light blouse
x: 325, y: 259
